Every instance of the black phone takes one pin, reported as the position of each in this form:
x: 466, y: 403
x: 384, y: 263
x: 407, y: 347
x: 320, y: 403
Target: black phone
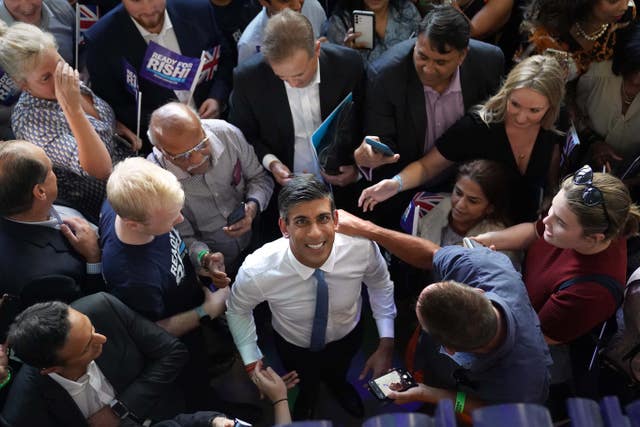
x: 379, y: 387
x: 236, y: 215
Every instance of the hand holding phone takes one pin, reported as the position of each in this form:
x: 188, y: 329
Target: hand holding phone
x: 236, y: 215
x: 380, y: 387
x: 364, y: 23
x: 470, y: 243
x: 379, y: 146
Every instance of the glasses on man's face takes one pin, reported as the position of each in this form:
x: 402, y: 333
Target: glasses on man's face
x: 591, y: 196
x: 183, y: 157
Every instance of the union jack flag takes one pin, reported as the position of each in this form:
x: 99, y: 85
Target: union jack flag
x: 420, y: 205
x: 210, y: 60
x: 89, y: 15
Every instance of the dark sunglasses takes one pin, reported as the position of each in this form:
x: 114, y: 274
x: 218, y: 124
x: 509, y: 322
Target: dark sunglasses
x: 591, y: 196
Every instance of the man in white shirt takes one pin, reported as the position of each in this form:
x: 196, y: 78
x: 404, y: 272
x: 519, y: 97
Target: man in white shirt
x: 312, y: 280
x: 283, y: 94
x: 74, y: 376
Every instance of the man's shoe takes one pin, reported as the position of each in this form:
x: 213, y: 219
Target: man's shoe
x: 348, y: 398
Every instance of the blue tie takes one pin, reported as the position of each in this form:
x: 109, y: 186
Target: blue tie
x: 319, y: 329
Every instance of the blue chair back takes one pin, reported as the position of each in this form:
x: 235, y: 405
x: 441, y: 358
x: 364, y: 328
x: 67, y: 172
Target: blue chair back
x: 512, y: 415
x: 584, y: 412
x: 400, y: 419
x: 445, y: 416
x: 633, y: 412
x: 612, y: 412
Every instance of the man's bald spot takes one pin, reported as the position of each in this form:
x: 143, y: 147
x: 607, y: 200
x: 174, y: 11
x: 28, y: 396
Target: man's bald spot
x: 173, y: 119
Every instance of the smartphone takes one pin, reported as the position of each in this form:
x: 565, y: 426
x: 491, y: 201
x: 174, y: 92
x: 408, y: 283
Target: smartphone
x: 364, y: 22
x: 239, y: 423
x: 379, y: 387
x: 470, y: 243
x: 236, y: 215
x: 379, y: 146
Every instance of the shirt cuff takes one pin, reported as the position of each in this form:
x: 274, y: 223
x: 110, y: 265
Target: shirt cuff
x: 254, y: 200
x: 94, y: 267
x: 250, y: 353
x: 267, y: 160
x: 385, y: 328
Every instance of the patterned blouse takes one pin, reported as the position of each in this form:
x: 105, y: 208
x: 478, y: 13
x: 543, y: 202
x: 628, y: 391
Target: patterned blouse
x: 402, y: 24
x: 42, y: 122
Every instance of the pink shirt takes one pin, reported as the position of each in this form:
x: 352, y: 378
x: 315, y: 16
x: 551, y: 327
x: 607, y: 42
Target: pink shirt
x: 443, y: 109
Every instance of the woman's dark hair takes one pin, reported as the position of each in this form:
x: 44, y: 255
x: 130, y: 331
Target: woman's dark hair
x: 349, y: 6
x: 626, y: 54
x: 557, y: 16
x: 494, y: 182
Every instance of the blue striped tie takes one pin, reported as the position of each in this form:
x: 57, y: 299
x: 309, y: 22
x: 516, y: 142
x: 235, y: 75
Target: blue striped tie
x: 319, y: 329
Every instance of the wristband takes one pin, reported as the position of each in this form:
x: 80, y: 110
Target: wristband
x: 398, y: 179
x: 279, y: 400
x: 201, y: 255
x: 8, y: 378
x: 200, y: 312
x: 461, y: 397
x: 250, y: 367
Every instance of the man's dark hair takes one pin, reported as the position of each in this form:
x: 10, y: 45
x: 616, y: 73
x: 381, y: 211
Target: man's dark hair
x: 457, y: 316
x: 446, y: 28
x: 302, y: 188
x: 39, y: 332
x: 19, y: 173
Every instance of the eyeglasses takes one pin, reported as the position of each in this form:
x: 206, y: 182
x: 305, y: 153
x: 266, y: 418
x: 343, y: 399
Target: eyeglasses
x: 200, y: 146
x: 591, y: 196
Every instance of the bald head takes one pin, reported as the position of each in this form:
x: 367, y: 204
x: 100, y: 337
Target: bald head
x: 174, y: 126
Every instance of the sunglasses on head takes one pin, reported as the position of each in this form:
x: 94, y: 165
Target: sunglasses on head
x: 591, y: 196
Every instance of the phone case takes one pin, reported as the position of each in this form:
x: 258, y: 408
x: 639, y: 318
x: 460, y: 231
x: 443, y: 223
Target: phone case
x: 379, y: 147
x: 364, y: 23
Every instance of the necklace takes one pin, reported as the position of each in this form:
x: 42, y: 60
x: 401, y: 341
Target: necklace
x: 625, y: 97
x: 593, y: 36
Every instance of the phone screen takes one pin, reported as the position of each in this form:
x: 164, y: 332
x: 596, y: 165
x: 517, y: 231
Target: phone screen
x: 386, y: 380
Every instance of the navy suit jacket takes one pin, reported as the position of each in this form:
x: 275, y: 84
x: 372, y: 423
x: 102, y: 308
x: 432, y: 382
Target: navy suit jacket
x: 140, y: 360
x: 30, y: 253
x: 115, y: 37
x: 395, y: 105
x: 260, y: 107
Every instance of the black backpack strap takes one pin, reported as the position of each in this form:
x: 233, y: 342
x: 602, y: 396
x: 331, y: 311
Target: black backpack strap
x: 613, y: 286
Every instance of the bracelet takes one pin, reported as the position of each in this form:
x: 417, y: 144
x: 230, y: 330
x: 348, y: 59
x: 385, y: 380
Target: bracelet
x: 7, y: 379
x: 201, y: 255
x: 278, y: 401
x: 461, y: 397
x: 398, y: 179
x: 250, y: 367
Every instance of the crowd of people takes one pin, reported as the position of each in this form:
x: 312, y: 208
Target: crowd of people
x: 143, y: 226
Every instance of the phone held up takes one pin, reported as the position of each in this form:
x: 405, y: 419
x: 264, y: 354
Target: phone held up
x: 380, y: 387
x: 364, y: 22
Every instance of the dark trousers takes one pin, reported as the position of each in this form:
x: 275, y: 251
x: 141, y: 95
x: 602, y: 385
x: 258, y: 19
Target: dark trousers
x: 329, y: 365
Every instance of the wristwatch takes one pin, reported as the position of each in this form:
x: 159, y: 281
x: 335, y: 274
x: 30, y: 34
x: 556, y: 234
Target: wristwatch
x: 119, y: 409
x: 200, y: 312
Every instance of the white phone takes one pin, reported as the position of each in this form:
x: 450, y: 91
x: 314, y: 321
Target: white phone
x: 364, y: 22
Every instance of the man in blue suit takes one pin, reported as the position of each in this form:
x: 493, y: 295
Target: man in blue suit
x: 187, y: 27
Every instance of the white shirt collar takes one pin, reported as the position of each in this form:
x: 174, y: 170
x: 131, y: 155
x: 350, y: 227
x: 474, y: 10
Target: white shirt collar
x: 166, y: 25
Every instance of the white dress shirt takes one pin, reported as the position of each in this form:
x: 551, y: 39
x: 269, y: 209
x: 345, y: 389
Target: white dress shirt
x: 273, y: 274
x: 166, y: 38
x: 91, y: 392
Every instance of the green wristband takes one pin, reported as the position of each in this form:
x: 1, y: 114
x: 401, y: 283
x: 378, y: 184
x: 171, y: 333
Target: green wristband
x: 461, y: 397
x: 7, y: 379
x: 201, y: 255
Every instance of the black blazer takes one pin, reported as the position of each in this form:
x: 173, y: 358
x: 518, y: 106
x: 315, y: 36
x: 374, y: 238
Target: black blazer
x: 114, y: 38
x: 395, y: 105
x: 260, y: 108
x: 31, y: 255
x: 140, y: 360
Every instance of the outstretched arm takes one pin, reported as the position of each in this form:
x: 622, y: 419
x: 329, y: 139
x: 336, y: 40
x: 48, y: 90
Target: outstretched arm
x: 412, y: 250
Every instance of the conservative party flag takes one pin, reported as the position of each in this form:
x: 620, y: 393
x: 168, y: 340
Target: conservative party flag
x: 168, y: 69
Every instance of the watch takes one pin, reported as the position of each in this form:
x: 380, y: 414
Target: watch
x: 200, y: 312
x: 119, y: 408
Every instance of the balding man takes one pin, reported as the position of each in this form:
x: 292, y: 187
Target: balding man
x: 49, y: 251
x: 219, y: 172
